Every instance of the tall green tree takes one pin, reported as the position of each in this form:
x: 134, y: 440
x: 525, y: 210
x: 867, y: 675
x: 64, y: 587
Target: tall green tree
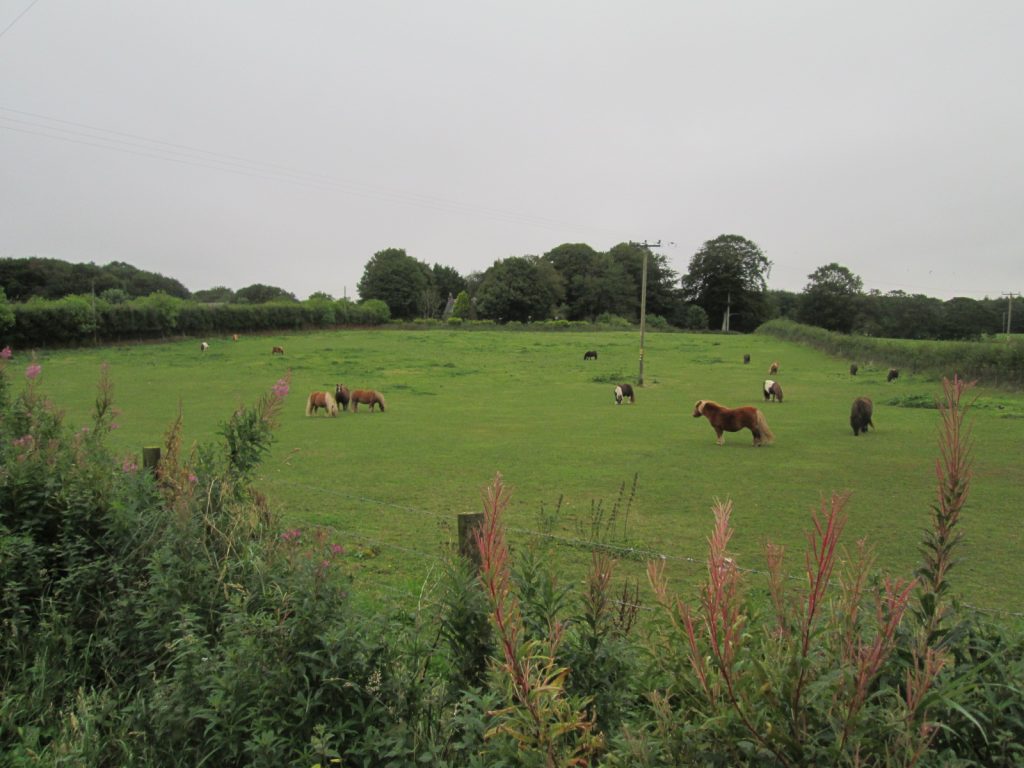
x: 594, y: 282
x: 399, y: 280
x: 258, y: 293
x: 729, y: 271
x: 664, y: 297
x: 519, y: 288
x: 831, y: 298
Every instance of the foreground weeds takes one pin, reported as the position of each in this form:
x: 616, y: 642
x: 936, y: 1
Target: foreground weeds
x: 165, y: 618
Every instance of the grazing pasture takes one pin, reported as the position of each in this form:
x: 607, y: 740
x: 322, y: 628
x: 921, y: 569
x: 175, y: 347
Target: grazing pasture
x: 464, y: 404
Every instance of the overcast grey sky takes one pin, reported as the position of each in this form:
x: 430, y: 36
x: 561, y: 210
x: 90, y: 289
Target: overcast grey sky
x: 231, y: 143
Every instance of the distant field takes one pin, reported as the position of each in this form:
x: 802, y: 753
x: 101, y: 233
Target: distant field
x: 463, y: 405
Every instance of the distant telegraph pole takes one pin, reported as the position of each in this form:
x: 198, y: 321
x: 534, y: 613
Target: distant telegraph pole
x: 1009, y: 313
x: 643, y: 304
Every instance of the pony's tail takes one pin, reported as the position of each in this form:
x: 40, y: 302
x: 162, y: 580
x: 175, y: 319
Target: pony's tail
x: 332, y: 404
x: 309, y: 404
x: 762, y: 424
x: 380, y: 401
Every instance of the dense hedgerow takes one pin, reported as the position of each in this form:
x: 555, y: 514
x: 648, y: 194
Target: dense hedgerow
x: 997, y: 364
x: 165, y: 618
x: 84, y: 319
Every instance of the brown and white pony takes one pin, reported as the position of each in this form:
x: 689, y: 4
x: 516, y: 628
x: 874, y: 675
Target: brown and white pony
x: 860, y: 415
x: 370, y: 397
x: 203, y: 347
x: 772, y: 390
x: 277, y: 351
x: 724, y: 419
x: 325, y: 400
x: 623, y: 391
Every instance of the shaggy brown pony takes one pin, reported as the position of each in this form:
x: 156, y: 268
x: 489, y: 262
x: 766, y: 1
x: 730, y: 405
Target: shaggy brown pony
x: 860, y: 415
x: 724, y: 419
x: 325, y: 400
x: 368, y: 397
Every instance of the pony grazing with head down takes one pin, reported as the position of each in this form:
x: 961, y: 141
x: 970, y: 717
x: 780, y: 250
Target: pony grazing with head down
x: 773, y: 368
x: 277, y: 351
x: 772, y: 390
x: 860, y: 415
x: 724, y: 419
x: 318, y: 400
x: 624, y: 390
x: 370, y: 397
x: 590, y: 354
x: 894, y: 373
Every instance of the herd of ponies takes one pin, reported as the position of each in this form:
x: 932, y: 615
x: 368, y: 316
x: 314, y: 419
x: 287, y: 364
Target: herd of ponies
x: 329, y: 401
x: 721, y: 418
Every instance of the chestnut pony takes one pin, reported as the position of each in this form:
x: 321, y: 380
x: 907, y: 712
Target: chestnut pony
x: 368, y: 397
x: 325, y: 400
x: 733, y: 420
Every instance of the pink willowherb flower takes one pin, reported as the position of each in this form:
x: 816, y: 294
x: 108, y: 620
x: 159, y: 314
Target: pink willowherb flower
x: 193, y: 479
x: 280, y: 389
x: 129, y: 466
x: 22, y: 441
x: 337, y: 549
x: 33, y: 370
x: 6, y: 353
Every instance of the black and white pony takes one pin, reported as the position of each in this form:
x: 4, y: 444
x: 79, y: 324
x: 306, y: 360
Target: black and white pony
x: 622, y: 391
x: 590, y: 354
x: 772, y: 390
x: 203, y: 347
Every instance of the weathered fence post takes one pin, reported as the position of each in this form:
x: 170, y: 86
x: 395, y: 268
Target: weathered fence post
x: 150, y: 458
x: 469, y: 522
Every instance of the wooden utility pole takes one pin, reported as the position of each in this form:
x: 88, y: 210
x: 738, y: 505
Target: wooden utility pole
x: 1009, y: 313
x: 643, y: 304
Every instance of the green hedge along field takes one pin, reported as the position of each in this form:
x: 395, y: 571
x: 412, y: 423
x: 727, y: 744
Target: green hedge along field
x: 463, y: 405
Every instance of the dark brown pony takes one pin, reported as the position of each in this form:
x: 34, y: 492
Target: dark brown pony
x: 853, y: 369
x: 277, y: 351
x: 860, y: 415
x: 342, y: 395
x: 318, y: 400
x: 724, y: 419
x: 590, y: 354
x: 894, y: 373
x: 368, y: 397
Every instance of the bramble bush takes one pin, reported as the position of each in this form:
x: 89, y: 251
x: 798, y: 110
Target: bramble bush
x: 166, y: 618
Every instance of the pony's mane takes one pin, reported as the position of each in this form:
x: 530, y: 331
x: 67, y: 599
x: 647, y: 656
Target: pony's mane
x: 703, y: 404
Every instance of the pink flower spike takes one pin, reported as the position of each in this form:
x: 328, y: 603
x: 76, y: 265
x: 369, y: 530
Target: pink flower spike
x: 6, y: 353
x: 193, y: 479
x: 32, y: 371
x: 337, y: 549
x: 280, y: 389
x: 129, y: 466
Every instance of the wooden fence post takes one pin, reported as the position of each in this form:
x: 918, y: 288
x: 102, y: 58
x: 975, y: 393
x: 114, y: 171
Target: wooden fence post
x: 150, y: 458
x: 469, y: 522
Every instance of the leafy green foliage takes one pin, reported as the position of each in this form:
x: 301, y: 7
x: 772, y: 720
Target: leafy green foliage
x: 729, y: 271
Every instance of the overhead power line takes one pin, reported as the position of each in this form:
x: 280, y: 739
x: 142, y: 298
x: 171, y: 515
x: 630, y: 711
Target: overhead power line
x: 18, y: 18
x: 36, y: 124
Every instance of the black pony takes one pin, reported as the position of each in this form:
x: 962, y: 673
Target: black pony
x: 590, y: 354
x: 894, y: 373
x: 860, y: 415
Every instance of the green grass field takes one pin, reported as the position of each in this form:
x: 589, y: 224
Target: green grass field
x: 463, y: 405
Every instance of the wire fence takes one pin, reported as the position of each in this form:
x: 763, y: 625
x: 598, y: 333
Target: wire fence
x: 446, y: 519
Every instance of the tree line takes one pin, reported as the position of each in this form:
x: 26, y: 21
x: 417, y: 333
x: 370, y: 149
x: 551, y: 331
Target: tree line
x: 724, y: 287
